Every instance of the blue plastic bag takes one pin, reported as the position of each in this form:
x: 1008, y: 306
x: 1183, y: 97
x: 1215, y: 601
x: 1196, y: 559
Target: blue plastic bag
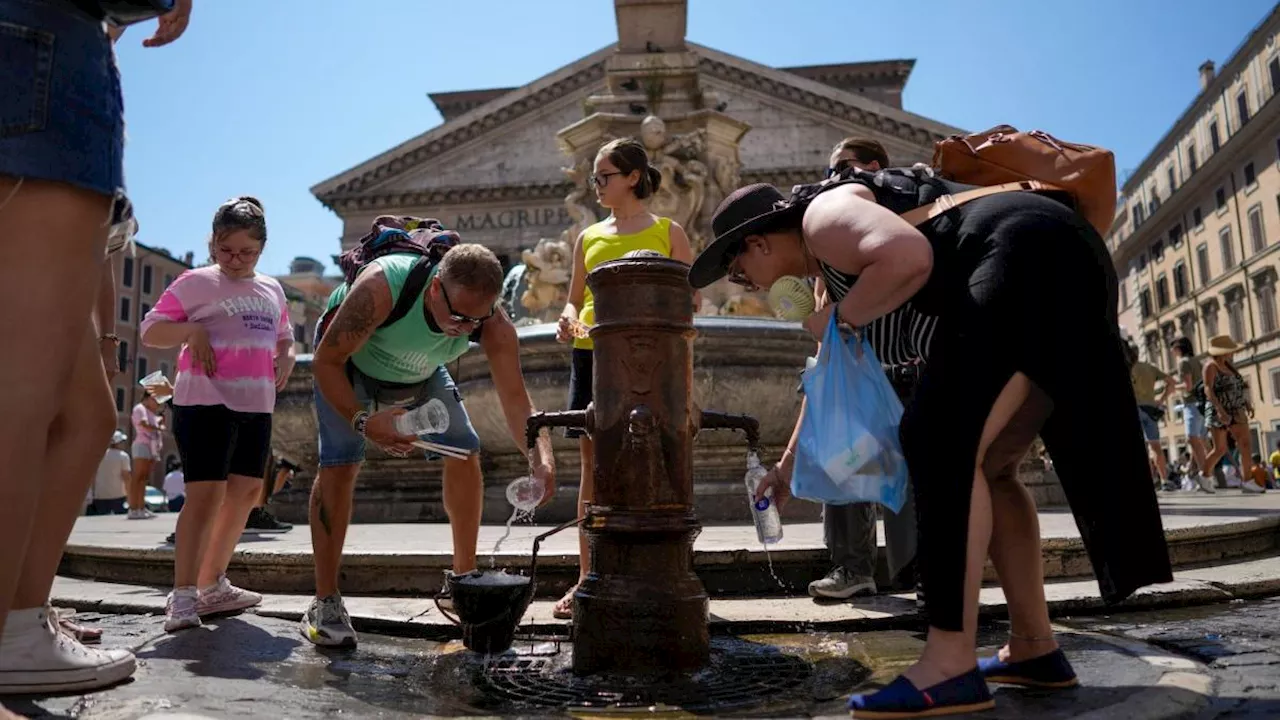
x: 849, y: 449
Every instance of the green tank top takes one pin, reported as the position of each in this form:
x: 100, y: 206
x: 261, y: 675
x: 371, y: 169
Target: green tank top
x: 408, y: 351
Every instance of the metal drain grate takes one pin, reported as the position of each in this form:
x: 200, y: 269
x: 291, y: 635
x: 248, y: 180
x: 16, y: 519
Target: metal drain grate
x: 734, y: 680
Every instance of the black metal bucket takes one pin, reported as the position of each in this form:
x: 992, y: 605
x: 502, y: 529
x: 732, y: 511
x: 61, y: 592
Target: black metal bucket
x: 490, y: 604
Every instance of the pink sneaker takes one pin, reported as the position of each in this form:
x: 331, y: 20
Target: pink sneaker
x: 180, y: 610
x: 224, y: 597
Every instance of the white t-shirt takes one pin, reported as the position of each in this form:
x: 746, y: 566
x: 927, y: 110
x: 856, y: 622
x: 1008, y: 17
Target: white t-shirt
x: 175, y: 485
x: 109, y: 483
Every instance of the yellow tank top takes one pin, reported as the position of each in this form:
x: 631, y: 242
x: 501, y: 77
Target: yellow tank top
x: 599, y: 245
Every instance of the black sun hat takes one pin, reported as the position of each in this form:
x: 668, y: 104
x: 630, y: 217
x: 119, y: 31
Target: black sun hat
x: 748, y: 209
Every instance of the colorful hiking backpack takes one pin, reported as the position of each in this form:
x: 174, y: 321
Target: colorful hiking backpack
x: 425, y: 237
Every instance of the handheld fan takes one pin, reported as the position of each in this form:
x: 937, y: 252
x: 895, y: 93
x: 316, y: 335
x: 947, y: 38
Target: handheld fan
x: 791, y: 298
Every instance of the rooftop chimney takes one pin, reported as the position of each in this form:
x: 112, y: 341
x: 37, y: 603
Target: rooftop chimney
x: 1206, y: 75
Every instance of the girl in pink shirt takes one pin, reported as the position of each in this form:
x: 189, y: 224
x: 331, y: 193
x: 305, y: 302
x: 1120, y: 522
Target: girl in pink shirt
x: 237, y: 351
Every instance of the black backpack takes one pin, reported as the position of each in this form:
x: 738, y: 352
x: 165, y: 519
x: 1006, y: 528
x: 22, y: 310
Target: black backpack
x: 425, y: 237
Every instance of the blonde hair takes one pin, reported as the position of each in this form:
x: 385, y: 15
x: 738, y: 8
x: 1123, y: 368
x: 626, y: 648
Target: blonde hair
x: 474, y: 267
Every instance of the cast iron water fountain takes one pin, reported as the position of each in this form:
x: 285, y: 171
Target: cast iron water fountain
x: 640, y: 635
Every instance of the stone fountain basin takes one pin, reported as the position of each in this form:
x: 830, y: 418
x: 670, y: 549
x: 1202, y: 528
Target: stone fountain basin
x: 741, y: 365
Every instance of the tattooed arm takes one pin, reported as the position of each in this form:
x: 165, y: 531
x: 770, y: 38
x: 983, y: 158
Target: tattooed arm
x: 366, y: 306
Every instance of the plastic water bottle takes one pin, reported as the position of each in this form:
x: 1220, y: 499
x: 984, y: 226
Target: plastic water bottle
x: 765, y: 513
x: 524, y: 494
x: 429, y: 419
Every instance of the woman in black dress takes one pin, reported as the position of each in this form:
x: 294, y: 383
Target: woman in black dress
x: 1028, y: 343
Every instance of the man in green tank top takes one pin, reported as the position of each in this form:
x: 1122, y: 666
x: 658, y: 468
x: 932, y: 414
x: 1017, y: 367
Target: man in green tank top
x: 366, y: 376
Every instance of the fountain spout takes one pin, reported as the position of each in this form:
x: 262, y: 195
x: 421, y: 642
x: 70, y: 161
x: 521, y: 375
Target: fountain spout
x: 712, y: 420
x: 564, y: 419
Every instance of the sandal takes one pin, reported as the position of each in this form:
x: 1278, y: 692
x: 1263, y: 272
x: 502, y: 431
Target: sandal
x: 564, y: 606
x: 86, y: 635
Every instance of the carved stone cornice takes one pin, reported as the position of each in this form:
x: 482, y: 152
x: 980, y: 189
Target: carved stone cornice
x: 742, y: 76
x: 782, y: 178
x: 437, y: 197
x: 448, y: 137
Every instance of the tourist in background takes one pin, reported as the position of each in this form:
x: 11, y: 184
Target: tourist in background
x: 1190, y: 373
x: 1228, y: 410
x: 1023, y: 288
x: 901, y: 343
x: 175, y: 486
x: 59, y: 177
x: 1144, y: 376
x: 623, y: 179
x: 232, y: 323
x: 114, y: 475
x: 148, y: 444
x: 279, y: 472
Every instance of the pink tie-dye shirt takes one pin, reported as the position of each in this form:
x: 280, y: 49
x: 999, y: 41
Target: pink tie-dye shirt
x: 245, y: 319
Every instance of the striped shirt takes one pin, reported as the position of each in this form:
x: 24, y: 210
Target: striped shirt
x: 902, y: 337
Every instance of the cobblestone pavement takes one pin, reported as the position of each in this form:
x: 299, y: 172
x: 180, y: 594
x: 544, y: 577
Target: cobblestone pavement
x: 253, y: 666
x: 1239, y: 642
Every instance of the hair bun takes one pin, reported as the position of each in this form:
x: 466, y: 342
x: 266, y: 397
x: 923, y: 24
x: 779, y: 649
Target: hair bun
x: 251, y: 200
x: 655, y: 178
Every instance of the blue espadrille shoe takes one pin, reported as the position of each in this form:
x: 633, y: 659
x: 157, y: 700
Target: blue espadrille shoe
x: 900, y: 699
x: 1050, y: 671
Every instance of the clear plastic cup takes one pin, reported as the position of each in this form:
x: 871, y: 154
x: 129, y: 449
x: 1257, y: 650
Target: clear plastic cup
x: 524, y: 493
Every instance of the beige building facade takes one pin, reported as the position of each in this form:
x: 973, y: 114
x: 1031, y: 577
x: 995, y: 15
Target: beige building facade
x: 141, y: 276
x: 1196, y: 238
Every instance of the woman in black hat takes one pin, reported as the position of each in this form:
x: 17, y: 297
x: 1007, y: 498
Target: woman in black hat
x: 1028, y: 344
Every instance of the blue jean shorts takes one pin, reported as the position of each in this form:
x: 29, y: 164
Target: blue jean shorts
x: 1150, y: 430
x: 341, y: 445
x: 1193, y: 420
x: 61, y: 112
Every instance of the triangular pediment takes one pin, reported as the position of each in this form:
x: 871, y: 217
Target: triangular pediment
x: 509, y: 142
x: 490, y: 120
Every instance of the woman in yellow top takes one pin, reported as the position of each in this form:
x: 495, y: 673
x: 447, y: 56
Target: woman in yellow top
x: 622, y: 180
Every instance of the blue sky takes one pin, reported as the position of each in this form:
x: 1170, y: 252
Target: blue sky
x: 269, y: 97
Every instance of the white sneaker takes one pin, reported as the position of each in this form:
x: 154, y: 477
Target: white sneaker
x: 326, y: 623
x: 36, y: 658
x: 1207, y: 483
x: 1251, y: 488
x: 223, y: 597
x: 180, y: 609
x: 141, y: 514
x: 842, y: 584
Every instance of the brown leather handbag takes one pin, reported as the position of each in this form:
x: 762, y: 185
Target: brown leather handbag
x: 1005, y: 159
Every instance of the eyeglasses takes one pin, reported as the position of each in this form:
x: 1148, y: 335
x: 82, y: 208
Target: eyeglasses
x: 458, y: 317
x: 245, y: 255
x: 601, y: 179
x: 735, y: 274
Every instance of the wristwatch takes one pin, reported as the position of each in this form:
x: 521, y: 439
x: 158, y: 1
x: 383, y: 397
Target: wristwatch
x: 359, y: 421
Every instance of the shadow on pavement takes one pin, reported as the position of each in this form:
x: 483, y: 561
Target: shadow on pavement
x: 227, y: 648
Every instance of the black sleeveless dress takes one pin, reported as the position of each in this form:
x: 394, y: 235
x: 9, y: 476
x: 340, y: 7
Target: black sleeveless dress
x: 1021, y: 283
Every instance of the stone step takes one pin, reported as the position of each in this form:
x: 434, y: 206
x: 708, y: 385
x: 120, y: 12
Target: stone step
x: 409, y: 559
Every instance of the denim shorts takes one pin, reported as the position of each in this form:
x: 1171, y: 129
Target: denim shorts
x: 1193, y: 420
x: 61, y: 112
x: 341, y: 445
x: 1150, y: 429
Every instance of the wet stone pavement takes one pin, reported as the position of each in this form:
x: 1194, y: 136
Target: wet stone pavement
x: 1239, y: 642
x: 251, y: 666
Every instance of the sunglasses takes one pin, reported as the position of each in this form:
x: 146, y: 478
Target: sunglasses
x: 839, y: 168
x: 458, y: 317
x: 244, y: 255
